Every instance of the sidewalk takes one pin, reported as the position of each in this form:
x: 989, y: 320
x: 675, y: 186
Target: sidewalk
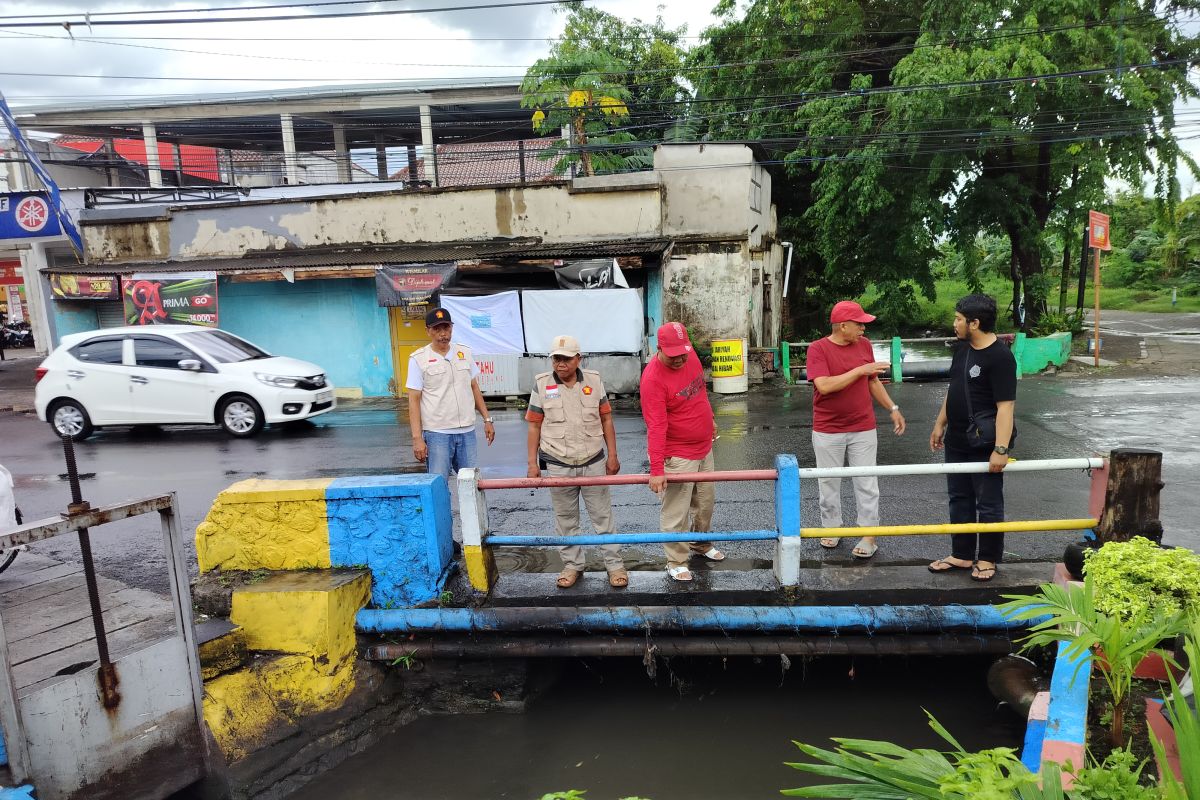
x: 16, y: 380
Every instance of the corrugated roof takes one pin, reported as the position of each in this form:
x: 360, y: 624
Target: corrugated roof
x: 519, y: 249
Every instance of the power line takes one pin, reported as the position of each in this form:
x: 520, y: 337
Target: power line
x: 87, y: 21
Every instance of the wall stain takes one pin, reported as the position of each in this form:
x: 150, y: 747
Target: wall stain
x: 504, y: 212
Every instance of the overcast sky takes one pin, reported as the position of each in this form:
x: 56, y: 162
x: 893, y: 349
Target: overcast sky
x: 275, y: 54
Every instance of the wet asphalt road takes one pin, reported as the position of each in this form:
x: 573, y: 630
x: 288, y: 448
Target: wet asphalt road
x: 1061, y: 416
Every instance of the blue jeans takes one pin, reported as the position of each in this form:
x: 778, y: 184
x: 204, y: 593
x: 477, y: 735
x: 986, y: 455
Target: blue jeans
x: 449, y: 452
x: 975, y: 497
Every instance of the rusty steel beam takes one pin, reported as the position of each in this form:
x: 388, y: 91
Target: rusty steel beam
x: 625, y: 480
x: 713, y: 646
x: 57, y: 526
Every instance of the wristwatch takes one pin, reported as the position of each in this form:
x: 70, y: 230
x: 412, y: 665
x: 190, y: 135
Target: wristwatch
x: 1001, y: 449
x: 894, y: 407
x: 487, y: 420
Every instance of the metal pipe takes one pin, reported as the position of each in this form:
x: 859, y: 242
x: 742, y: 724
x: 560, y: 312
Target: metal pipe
x: 787, y: 272
x: 1015, y: 526
x: 765, y: 619
x: 627, y: 538
x: 624, y: 480
x: 718, y: 646
x: 892, y: 470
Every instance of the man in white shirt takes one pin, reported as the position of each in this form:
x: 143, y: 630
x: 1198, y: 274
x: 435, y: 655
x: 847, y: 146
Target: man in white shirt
x: 443, y: 397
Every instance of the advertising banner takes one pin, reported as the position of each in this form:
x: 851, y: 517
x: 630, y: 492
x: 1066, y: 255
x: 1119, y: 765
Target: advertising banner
x: 412, y: 286
x: 84, y: 287
x: 1098, y: 231
x: 498, y: 373
x: 180, y: 298
x: 10, y: 271
x: 15, y: 298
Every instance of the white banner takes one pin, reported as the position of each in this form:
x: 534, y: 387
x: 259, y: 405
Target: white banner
x: 603, y: 320
x: 487, y: 324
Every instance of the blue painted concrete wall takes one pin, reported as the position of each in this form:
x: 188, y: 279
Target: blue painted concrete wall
x: 399, y: 527
x: 73, y: 318
x: 335, y: 324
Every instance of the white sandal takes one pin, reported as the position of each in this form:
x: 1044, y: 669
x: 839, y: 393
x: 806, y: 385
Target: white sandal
x: 830, y: 542
x: 713, y: 554
x: 677, y: 573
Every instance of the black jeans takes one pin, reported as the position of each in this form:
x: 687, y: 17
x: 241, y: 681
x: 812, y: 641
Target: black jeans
x: 975, y: 497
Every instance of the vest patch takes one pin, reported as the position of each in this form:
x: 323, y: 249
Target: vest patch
x: 587, y: 390
x: 551, y: 390
x: 461, y: 355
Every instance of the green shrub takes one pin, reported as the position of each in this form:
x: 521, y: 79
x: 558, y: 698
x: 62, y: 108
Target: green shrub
x: 1140, y: 580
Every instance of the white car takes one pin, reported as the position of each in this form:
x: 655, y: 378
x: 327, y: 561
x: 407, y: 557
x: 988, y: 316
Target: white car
x: 163, y: 374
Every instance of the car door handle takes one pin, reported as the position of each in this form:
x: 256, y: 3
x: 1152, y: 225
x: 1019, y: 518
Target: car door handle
x: 76, y: 374
x: 138, y: 379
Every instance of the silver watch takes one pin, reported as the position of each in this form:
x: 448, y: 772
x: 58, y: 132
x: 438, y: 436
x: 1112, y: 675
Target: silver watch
x: 487, y: 420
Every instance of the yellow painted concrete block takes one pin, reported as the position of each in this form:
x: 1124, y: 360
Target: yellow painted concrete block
x: 240, y: 712
x: 481, y: 567
x: 255, y: 706
x: 308, y: 613
x: 266, y: 524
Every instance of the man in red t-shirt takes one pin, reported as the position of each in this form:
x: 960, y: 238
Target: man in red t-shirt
x: 845, y: 377
x: 679, y: 438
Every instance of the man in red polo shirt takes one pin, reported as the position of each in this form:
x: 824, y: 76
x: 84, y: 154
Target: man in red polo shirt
x: 679, y: 438
x: 845, y: 378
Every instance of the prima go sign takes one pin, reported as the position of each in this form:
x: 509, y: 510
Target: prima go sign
x: 27, y: 215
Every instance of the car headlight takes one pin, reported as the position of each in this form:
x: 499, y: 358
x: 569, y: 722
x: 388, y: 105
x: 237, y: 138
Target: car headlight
x: 281, y: 381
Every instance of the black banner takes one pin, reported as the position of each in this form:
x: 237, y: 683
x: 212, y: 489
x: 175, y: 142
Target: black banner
x: 412, y: 286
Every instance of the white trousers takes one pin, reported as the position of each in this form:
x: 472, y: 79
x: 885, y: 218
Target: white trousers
x: 847, y: 449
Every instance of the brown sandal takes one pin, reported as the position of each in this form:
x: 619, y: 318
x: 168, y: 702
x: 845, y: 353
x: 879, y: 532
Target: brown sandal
x: 568, y: 578
x: 618, y: 579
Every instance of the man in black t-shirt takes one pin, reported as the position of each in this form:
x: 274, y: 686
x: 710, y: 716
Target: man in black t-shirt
x: 976, y: 424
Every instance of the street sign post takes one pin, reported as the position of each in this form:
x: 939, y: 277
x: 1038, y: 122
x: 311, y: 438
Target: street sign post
x: 1098, y: 239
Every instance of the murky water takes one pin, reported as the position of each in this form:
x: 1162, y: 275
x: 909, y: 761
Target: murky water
x: 701, y: 729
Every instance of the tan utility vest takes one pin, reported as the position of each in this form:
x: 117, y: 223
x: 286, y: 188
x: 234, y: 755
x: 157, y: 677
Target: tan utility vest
x: 571, y: 431
x: 446, y: 399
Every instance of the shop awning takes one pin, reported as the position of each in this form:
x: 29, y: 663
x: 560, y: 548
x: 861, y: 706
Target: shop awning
x: 481, y: 255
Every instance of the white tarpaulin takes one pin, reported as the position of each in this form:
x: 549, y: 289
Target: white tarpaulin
x: 603, y: 320
x: 487, y: 324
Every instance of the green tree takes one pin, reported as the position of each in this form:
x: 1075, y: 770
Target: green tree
x: 908, y: 123
x: 578, y: 91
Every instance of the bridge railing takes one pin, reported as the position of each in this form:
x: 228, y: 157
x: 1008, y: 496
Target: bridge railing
x: 788, y: 533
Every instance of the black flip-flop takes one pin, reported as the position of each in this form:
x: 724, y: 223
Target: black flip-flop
x: 950, y: 566
x: 980, y: 578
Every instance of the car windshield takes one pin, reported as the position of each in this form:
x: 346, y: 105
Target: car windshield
x: 222, y: 347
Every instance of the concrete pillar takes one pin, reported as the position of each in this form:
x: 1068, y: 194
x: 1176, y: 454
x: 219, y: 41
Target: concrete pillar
x: 414, y: 167
x: 341, y: 155
x: 178, y: 163
x: 290, y: 171
x: 37, y: 296
x: 153, y: 167
x: 381, y: 164
x: 427, y: 145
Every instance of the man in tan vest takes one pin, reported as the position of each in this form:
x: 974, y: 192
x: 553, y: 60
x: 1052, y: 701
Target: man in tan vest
x: 570, y: 427
x: 443, y: 397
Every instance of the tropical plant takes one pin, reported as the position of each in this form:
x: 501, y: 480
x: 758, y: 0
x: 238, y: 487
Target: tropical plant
x: 877, y: 770
x: 1138, y: 578
x: 1068, y: 615
x: 578, y: 91
x: 1185, y: 720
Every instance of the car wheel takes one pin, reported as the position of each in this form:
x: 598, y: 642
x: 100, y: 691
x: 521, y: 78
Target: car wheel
x: 68, y: 418
x: 240, y: 416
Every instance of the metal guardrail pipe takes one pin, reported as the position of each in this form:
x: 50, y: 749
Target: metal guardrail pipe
x: 624, y: 480
x: 627, y: 538
x: 762, y: 619
x: 716, y: 646
x: 893, y: 470
x: 1015, y: 526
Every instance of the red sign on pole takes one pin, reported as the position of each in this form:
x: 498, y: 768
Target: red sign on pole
x: 1098, y: 231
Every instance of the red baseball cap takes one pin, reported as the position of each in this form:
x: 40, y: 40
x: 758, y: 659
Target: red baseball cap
x: 673, y: 339
x: 849, y: 311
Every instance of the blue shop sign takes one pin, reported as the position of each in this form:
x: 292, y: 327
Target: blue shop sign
x: 27, y: 215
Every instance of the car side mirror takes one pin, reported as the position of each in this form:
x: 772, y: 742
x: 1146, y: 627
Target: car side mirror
x: 191, y: 365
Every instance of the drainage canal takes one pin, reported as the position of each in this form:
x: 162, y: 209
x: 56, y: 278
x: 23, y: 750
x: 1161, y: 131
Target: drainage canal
x: 669, y: 729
